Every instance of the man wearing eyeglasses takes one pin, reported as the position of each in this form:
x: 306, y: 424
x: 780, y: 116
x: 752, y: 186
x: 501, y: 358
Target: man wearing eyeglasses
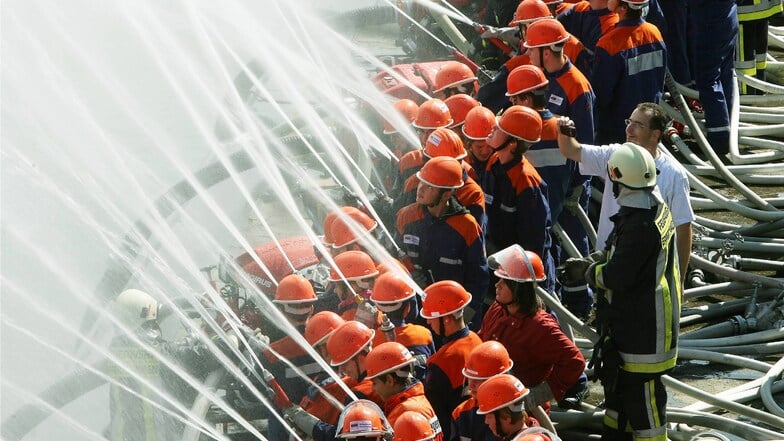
x: 644, y: 127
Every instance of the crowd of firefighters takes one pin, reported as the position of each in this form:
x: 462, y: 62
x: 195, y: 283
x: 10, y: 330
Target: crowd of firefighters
x: 444, y: 335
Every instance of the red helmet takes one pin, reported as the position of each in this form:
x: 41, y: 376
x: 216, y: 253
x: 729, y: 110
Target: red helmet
x: 515, y: 263
x: 444, y: 142
x: 443, y: 298
x: 442, y: 172
x: 500, y: 391
x: 321, y: 326
x: 459, y: 105
x: 413, y: 426
x: 408, y: 108
x: 529, y: 11
x: 545, y: 32
x: 347, y: 341
x: 296, y: 294
x: 433, y: 114
x: 326, y: 239
x: 390, y: 290
x: 343, y: 230
x: 525, y: 78
x: 522, y: 123
x: 354, y: 265
x: 392, y: 266
x: 453, y: 74
x: 486, y: 360
x: 479, y: 122
x: 387, y: 357
x: 362, y: 418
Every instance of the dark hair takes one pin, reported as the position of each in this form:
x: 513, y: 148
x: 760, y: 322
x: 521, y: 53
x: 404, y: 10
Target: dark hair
x: 659, y: 120
x: 524, y: 294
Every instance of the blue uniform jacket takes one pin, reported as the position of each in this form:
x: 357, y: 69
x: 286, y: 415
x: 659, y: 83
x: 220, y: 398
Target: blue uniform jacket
x: 628, y: 70
x: 450, y: 247
x: 570, y: 94
x: 518, y: 211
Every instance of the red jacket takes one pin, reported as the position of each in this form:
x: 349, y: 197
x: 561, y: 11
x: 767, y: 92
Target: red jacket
x: 538, y: 347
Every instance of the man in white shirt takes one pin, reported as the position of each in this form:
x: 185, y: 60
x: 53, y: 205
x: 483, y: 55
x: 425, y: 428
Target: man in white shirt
x: 644, y: 127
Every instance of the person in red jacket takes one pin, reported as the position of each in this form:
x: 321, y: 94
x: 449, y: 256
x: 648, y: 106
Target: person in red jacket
x: 390, y: 368
x: 443, y: 309
x: 544, y: 356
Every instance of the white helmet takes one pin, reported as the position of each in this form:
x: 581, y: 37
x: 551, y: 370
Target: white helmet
x: 135, y: 307
x: 632, y: 166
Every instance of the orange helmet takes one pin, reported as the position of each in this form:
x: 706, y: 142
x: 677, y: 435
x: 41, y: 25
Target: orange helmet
x: 295, y: 293
x: 341, y: 230
x: 459, y: 105
x: 536, y: 434
x: 390, y: 290
x: 387, y: 357
x: 347, y: 341
x: 326, y: 239
x: 433, y: 114
x: 413, y: 426
x: 529, y: 11
x: 444, y: 142
x: 392, y: 266
x: 321, y: 326
x: 500, y: 391
x: 442, y: 172
x: 525, y: 78
x: 515, y: 263
x: 362, y: 418
x: 453, y: 74
x: 522, y: 123
x: 408, y: 108
x: 545, y: 32
x: 488, y: 359
x: 479, y: 122
x: 354, y: 265
x: 443, y: 298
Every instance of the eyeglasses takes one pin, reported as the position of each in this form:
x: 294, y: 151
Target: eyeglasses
x: 636, y: 124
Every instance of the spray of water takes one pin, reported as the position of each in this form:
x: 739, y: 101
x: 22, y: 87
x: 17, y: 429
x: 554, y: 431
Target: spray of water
x: 140, y: 144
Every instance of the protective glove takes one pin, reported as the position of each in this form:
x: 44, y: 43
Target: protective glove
x: 420, y: 360
x: 420, y: 277
x: 301, y: 419
x: 538, y: 395
x: 572, y: 202
x: 510, y: 35
x: 573, y: 269
x: 590, y: 274
x: 256, y: 340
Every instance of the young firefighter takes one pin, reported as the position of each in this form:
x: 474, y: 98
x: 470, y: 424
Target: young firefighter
x: 517, y: 207
x: 501, y: 401
x: 484, y: 361
x: 390, y: 368
x: 348, y: 347
x: 442, y: 239
x: 443, y: 308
